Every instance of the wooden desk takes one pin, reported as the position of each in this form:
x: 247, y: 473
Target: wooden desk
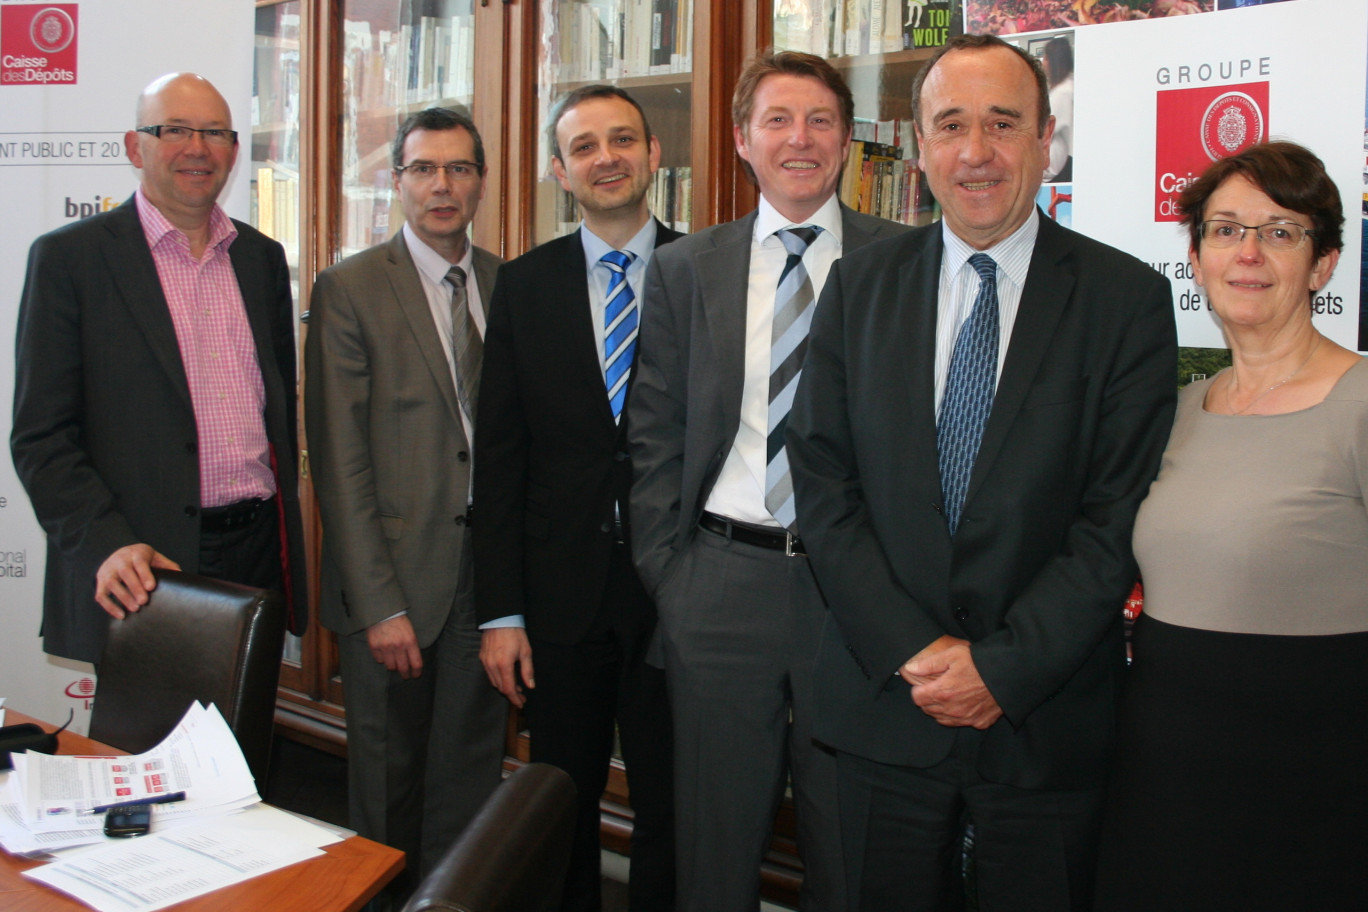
x: 342, y: 880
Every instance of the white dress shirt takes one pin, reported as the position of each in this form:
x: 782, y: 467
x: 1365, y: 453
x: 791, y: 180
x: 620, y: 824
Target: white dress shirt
x: 959, y: 285
x: 739, y: 493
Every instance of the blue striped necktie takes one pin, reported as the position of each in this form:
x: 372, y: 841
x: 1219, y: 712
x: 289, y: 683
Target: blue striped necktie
x: 619, y: 328
x: 969, y: 391
x: 788, y: 345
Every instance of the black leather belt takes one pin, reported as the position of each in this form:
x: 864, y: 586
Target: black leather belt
x: 761, y: 537
x: 233, y: 516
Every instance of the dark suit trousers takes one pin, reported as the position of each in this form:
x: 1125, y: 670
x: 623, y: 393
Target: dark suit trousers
x: 582, y: 690
x: 740, y: 626
x: 248, y: 554
x: 422, y: 754
x: 903, y: 828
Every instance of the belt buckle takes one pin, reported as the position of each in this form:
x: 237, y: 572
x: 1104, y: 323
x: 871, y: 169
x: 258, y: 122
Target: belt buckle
x: 789, y: 539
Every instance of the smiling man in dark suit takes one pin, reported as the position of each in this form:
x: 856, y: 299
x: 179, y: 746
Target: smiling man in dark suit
x: 715, y: 537
x: 392, y: 363
x: 984, y: 405
x: 557, y: 591
x: 154, y: 400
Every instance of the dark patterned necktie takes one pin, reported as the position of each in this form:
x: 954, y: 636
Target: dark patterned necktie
x: 969, y: 390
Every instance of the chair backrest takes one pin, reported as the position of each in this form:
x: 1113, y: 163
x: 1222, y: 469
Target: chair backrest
x: 195, y: 639
x: 513, y: 856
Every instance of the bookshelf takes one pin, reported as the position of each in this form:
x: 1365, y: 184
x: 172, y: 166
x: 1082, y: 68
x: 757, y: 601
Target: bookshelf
x: 642, y: 46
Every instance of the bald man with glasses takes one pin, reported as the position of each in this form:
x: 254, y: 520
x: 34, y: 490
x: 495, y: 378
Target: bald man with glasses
x: 154, y: 402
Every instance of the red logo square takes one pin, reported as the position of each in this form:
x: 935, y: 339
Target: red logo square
x: 38, y: 44
x: 1195, y: 127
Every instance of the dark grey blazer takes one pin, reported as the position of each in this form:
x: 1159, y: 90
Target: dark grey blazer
x: 388, y: 451
x: 685, y: 406
x: 1041, y: 565
x: 104, y: 436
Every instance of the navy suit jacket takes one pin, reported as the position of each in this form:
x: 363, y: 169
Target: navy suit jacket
x: 550, y: 462
x: 1041, y: 565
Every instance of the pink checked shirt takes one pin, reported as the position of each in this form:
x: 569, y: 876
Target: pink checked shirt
x: 219, y: 354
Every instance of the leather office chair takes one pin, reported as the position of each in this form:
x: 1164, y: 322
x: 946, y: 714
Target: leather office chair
x: 195, y: 639
x: 513, y: 856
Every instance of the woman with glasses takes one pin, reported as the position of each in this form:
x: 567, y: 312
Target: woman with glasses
x: 1244, y: 726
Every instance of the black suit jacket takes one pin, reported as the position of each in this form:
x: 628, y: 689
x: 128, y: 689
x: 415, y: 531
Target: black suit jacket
x: 104, y: 436
x: 550, y: 461
x: 1039, y: 569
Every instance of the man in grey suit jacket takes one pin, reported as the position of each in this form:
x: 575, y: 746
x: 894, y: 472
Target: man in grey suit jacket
x: 976, y: 560
x: 139, y: 446
x: 714, y: 537
x: 392, y: 362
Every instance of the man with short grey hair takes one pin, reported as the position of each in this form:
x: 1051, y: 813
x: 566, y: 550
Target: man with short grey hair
x: 392, y: 365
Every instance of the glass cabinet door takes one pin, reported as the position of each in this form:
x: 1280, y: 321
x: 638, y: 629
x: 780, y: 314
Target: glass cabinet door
x: 399, y: 56
x: 642, y: 46
x: 276, y: 128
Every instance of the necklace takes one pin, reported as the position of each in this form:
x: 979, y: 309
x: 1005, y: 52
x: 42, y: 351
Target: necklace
x: 1230, y: 403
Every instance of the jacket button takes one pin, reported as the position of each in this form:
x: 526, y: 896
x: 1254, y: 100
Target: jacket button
x: 191, y: 511
x: 606, y: 527
x: 961, y: 614
x: 463, y: 456
x: 620, y: 456
x: 938, y: 508
x: 460, y: 520
x: 191, y: 447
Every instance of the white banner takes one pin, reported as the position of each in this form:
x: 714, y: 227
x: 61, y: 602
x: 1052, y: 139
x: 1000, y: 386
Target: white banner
x: 1157, y: 100
x: 70, y: 75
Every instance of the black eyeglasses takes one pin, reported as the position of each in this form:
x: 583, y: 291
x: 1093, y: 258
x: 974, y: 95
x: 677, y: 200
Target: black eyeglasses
x: 175, y: 133
x: 457, y: 170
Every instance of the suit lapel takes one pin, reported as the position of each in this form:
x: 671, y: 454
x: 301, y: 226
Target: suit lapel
x: 723, y: 271
x: 413, y: 304
x: 571, y: 323
x: 258, y: 298
x: 1049, y: 283
x: 918, y: 296
x: 486, y: 271
x: 130, y: 262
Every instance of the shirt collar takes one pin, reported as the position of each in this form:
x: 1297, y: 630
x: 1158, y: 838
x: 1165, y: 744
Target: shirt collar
x: 432, y: 264
x: 828, y: 218
x: 157, y: 226
x: 642, y: 244
x: 1012, y: 254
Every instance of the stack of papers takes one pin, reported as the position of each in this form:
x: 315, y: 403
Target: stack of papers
x: 47, y: 802
x: 196, y: 846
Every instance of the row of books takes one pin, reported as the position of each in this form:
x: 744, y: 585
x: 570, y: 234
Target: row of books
x: 430, y: 59
x: 366, y: 215
x: 613, y: 39
x: 883, y: 179
x: 275, y: 205
x: 670, y: 197
x: 839, y: 28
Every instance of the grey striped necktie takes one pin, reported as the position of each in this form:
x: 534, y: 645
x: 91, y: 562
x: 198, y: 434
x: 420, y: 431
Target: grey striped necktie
x: 465, y: 344
x: 788, y: 345
x: 969, y: 388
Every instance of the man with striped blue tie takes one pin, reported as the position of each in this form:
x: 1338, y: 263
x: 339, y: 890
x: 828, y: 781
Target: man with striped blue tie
x: 716, y: 542
x: 566, y: 621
